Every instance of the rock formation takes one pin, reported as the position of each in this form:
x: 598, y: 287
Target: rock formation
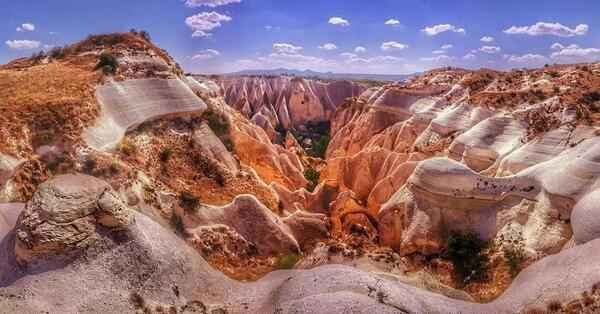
x: 187, y: 173
x: 125, y: 105
x: 131, y: 267
x: 258, y: 225
x: 286, y: 101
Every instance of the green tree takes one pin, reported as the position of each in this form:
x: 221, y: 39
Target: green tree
x: 466, y: 252
x: 107, y: 63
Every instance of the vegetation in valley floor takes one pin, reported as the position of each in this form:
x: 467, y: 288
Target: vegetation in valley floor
x: 313, y: 177
x: 314, y: 137
x: 288, y: 261
x: 466, y: 252
x: 515, y: 257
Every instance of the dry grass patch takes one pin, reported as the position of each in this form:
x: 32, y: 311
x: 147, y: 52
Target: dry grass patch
x: 44, y: 103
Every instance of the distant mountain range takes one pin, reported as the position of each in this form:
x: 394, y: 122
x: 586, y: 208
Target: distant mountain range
x: 327, y: 75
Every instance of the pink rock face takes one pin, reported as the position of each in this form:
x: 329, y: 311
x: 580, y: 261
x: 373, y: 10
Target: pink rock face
x: 256, y: 223
x: 290, y: 101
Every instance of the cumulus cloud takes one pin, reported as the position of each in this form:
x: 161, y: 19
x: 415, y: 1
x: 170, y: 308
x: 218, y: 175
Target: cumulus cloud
x: 209, y: 3
x: 205, y: 22
x: 23, y: 44
x: 441, y: 28
x: 487, y: 39
x: 328, y: 46
x: 469, y: 56
x: 336, y: 20
x: 206, y: 54
x: 392, y: 22
x: 26, y: 27
x: 447, y: 46
x: 286, y: 48
x: 527, y: 59
x: 574, y: 53
x: 393, y: 45
x: 545, y: 28
x: 360, y: 49
x: 438, y: 52
x: 490, y: 49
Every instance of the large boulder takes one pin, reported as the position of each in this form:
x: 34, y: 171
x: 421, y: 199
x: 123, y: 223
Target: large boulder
x: 64, y: 217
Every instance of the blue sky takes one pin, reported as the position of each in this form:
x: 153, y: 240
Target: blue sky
x: 377, y: 36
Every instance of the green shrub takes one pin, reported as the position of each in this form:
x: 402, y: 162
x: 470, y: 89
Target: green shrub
x: 313, y: 177
x: 144, y: 34
x: 189, y: 201
x: 288, y: 261
x: 165, y: 154
x: 127, y: 148
x: 515, y: 256
x: 89, y: 165
x: 106, y: 39
x: 319, y: 147
x: 465, y: 251
x: 107, y: 63
x: 38, y: 57
x: 54, y: 164
x: 217, y: 122
x: 57, y: 52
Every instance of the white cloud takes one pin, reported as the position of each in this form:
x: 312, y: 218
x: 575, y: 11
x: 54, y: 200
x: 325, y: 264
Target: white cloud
x: 528, y: 59
x: 328, y: 46
x: 490, y: 49
x: 206, y: 54
x: 393, y: 45
x: 469, y: 56
x: 440, y: 28
x: 544, y: 28
x: 438, y: 59
x: 574, y: 53
x: 286, y: 48
x: 487, y: 39
x: 348, y: 55
x: 392, y: 22
x: 360, y: 49
x: 439, y: 52
x: 205, y: 22
x: 26, y: 27
x: 23, y: 44
x: 447, y: 46
x: 353, y: 59
x: 336, y: 20
x: 209, y: 3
